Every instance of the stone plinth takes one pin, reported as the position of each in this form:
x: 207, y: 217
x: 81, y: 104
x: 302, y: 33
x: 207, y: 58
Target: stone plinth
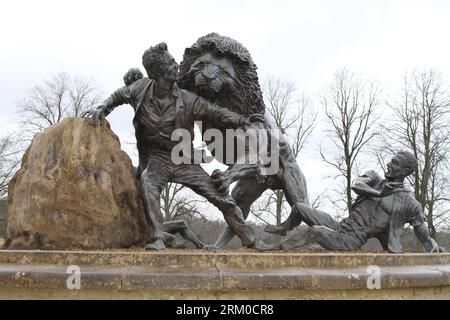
x: 175, y: 274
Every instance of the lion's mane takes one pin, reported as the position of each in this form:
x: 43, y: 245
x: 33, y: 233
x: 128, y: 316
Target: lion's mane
x: 247, y: 98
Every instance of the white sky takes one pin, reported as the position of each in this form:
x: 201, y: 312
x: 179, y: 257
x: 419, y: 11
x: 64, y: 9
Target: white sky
x: 300, y: 41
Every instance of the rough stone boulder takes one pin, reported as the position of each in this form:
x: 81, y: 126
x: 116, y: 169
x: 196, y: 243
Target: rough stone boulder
x: 76, y: 189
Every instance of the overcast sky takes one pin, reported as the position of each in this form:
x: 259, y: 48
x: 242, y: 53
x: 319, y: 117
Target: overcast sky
x: 300, y: 41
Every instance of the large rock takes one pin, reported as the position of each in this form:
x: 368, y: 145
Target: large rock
x: 76, y: 189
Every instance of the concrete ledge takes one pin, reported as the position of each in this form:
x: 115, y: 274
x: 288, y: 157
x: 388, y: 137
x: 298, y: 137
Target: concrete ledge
x: 229, y: 258
x: 225, y: 274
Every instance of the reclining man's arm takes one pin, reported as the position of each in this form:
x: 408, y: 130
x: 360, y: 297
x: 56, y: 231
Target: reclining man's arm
x: 361, y: 187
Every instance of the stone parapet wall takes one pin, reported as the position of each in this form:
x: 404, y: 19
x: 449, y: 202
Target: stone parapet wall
x: 175, y: 274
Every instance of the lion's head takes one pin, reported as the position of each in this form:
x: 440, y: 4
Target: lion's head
x: 221, y: 70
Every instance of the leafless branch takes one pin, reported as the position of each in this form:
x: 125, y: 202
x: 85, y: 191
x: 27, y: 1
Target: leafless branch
x: 55, y: 99
x: 349, y: 107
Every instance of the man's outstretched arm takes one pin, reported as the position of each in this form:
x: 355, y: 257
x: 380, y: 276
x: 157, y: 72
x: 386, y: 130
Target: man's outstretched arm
x: 424, y: 237
x: 204, y: 110
x: 119, y: 97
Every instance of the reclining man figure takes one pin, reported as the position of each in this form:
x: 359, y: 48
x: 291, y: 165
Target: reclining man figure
x: 381, y: 210
x: 161, y: 108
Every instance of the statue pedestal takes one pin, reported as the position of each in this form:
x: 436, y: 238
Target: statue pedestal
x: 243, y: 274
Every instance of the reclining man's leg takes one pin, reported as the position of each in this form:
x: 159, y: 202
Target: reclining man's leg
x: 314, y: 217
x: 323, y: 230
x: 194, y: 177
x: 302, y: 212
x: 324, y: 236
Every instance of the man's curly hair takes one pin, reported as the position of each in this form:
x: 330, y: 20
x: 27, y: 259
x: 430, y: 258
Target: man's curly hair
x: 151, y: 59
x: 409, y: 162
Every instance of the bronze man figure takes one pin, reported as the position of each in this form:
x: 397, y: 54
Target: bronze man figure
x: 160, y: 108
x: 381, y: 210
x: 170, y: 227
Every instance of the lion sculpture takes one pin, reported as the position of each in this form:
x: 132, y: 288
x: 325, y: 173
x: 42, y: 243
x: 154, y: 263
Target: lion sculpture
x: 221, y: 70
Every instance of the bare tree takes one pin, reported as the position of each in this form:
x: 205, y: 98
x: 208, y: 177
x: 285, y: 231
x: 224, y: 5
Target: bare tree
x: 420, y: 124
x: 272, y: 204
x: 349, y: 106
x: 176, y: 205
x: 295, y: 117
x: 55, y: 99
x: 9, y: 161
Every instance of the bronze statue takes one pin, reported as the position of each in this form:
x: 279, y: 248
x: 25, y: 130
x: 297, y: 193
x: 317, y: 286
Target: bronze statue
x: 381, y: 210
x: 170, y: 227
x: 160, y: 108
x: 222, y: 71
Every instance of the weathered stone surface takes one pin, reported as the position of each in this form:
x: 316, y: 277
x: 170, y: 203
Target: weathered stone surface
x: 243, y: 259
x: 134, y: 274
x: 76, y: 189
